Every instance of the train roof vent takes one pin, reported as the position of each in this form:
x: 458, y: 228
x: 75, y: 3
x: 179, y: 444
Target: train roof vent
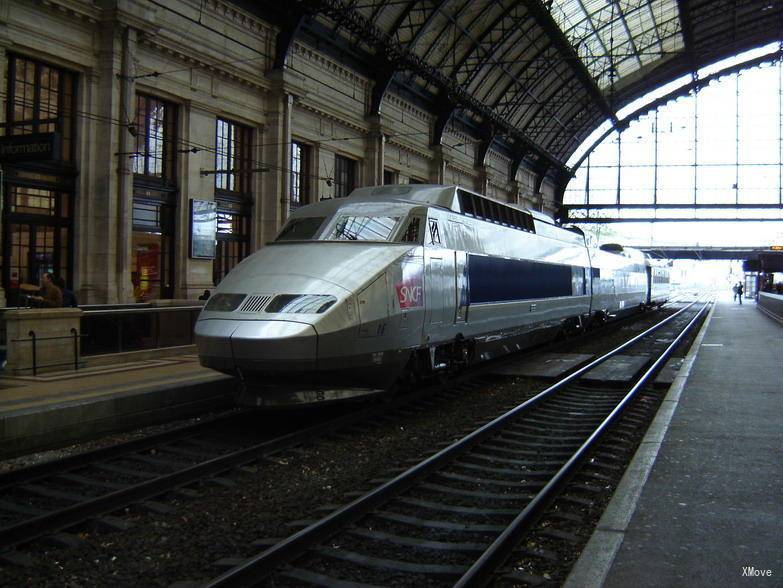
x: 612, y: 247
x: 254, y: 303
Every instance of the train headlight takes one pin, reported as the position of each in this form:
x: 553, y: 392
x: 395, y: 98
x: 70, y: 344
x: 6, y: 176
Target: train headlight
x: 301, y: 303
x: 224, y: 302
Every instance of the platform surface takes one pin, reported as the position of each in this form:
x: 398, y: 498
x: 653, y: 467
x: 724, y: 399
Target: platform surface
x: 710, y: 511
x: 62, y: 407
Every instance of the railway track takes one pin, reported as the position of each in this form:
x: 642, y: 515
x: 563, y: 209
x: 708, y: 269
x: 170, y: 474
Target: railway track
x: 43, y: 500
x: 51, y: 500
x: 456, y: 517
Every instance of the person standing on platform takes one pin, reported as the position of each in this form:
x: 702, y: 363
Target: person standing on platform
x: 51, y: 296
x: 734, y: 289
x: 739, y: 291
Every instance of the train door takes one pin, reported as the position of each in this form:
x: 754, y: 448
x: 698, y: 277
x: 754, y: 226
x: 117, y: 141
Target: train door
x: 462, y: 239
x: 439, y: 280
x: 435, y: 290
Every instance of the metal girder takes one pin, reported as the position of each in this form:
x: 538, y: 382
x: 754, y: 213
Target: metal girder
x: 395, y: 52
x: 481, y: 66
x: 421, y: 5
x: 686, y: 25
x: 384, y: 75
x: 702, y: 253
x: 696, y: 84
x: 545, y: 21
x: 482, y: 38
x: 444, y: 110
x: 516, y: 163
x: 487, y: 137
x: 289, y: 24
x: 437, y: 41
x: 522, y: 88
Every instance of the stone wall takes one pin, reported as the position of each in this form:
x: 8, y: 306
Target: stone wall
x: 213, y: 60
x: 52, y: 329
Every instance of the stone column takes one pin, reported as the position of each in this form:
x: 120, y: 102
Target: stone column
x: 376, y: 145
x: 257, y: 180
x: 438, y: 166
x: 106, y: 174
x: 314, y: 169
x: 482, y: 180
x: 193, y: 276
x: 4, y: 44
x: 273, y: 201
x: 127, y: 144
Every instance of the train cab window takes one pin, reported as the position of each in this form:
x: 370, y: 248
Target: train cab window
x: 301, y: 229
x: 412, y: 232
x: 363, y: 228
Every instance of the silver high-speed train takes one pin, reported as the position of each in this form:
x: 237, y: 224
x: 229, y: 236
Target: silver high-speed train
x: 403, y: 281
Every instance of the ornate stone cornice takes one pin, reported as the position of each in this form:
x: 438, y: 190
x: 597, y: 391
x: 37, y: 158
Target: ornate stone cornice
x: 223, y: 70
x: 321, y: 61
x: 85, y: 11
x: 240, y: 18
x: 334, y: 117
x: 470, y: 172
x: 408, y: 108
x: 412, y: 149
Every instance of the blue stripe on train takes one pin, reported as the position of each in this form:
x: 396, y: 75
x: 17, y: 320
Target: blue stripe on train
x: 494, y: 279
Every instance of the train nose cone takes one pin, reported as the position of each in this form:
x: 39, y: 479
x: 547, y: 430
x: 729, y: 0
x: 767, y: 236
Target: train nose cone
x: 264, y: 344
x: 256, y: 345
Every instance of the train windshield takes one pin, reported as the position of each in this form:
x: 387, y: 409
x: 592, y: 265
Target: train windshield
x: 363, y: 228
x: 301, y: 229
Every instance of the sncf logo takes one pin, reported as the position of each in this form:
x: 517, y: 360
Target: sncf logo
x: 409, y: 294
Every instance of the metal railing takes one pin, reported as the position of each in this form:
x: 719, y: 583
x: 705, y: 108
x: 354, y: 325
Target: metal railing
x: 34, y: 339
x: 120, y: 329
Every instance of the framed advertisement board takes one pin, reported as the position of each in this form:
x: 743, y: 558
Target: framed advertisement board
x: 203, y: 227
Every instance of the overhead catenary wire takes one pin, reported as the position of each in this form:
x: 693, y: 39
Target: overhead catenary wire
x: 190, y: 146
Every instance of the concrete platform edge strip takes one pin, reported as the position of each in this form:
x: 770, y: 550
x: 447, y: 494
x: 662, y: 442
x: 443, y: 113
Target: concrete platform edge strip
x: 770, y: 314
x: 30, y: 431
x: 595, y: 561
x: 88, y: 395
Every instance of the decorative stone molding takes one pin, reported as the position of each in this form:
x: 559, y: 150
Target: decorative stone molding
x: 465, y: 171
x: 87, y: 12
x: 334, y: 117
x: 219, y: 69
x: 230, y: 12
x: 320, y: 61
x: 408, y: 108
x: 412, y: 149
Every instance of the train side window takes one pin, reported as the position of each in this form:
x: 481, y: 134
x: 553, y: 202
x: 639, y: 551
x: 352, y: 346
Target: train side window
x: 467, y: 203
x: 529, y: 224
x: 434, y: 233
x: 412, y: 232
x: 301, y: 229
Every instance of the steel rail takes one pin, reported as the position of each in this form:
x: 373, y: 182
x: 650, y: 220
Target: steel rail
x: 69, y: 516
x: 481, y: 572
x: 48, y: 468
x: 256, y: 568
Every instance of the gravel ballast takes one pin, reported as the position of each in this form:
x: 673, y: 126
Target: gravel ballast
x: 223, y: 522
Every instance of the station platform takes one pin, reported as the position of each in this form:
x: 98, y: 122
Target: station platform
x: 40, y: 412
x: 702, y: 501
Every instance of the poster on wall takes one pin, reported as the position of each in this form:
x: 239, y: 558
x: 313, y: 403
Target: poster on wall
x: 203, y: 227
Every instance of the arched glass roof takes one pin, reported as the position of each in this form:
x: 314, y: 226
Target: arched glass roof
x: 537, y: 75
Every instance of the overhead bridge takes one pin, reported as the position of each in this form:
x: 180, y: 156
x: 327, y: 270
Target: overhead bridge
x: 769, y: 259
